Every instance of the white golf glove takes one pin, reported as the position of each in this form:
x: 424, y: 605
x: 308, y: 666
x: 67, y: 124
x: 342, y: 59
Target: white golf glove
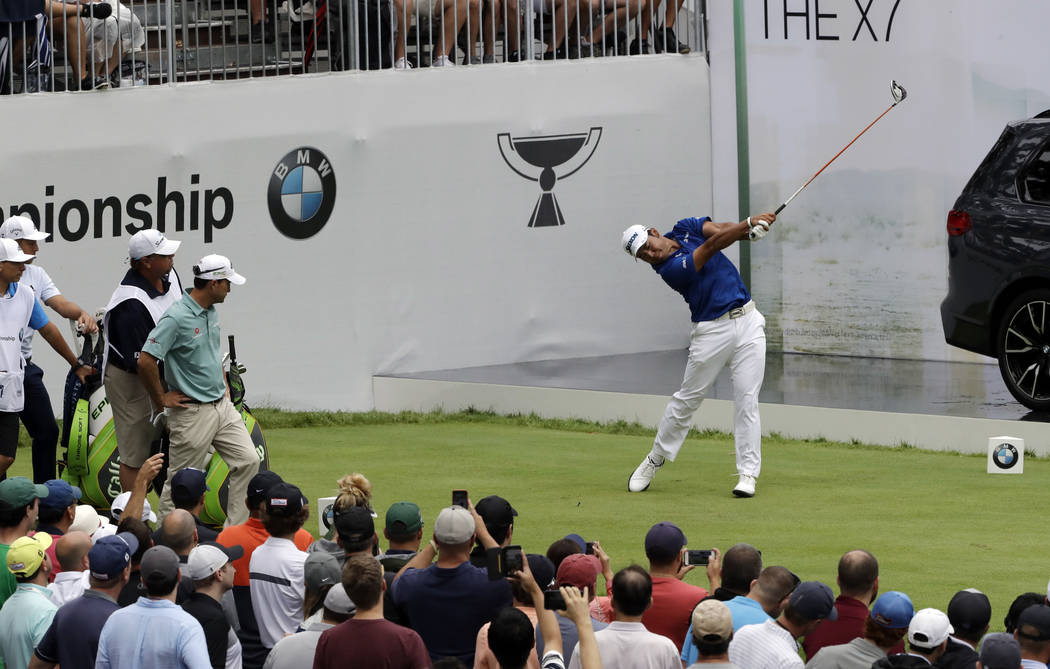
x: 757, y: 229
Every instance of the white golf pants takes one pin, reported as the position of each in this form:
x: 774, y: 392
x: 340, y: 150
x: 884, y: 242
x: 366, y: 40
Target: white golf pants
x: 739, y: 343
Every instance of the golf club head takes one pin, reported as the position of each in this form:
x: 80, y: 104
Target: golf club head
x: 898, y: 92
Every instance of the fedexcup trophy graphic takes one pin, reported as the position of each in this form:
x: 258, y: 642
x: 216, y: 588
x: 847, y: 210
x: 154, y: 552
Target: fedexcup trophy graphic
x: 536, y: 158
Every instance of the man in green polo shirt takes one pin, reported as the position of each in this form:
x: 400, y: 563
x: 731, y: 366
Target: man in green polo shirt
x: 197, y: 402
x: 19, y: 503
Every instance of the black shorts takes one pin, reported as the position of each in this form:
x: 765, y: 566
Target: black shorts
x: 8, y: 434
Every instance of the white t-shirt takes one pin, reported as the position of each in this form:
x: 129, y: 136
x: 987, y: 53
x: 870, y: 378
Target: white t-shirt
x: 764, y: 646
x: 68, y: 585
x: 37, y: 278
x: 277, y: 587
x: 631, y: 646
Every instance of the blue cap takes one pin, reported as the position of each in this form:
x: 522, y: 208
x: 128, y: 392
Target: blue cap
x: 188, y: 485
x: 60, y: 494
x: 893, y: 610
x: 111, y: 555
x: 813, y: 600
x: 578, y: 540
x: 664, y: 541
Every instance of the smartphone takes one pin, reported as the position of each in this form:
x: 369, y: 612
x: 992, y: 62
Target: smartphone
x: 511, y: 560
x: 590, y: 548
x: 459, y: 498
x: 698, y: 557
x: 553, y: 600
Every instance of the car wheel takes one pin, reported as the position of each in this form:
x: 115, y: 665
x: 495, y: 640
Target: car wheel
x: 1024, y: 349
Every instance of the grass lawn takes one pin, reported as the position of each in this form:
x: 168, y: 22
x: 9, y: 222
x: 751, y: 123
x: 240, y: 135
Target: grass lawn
x: 937, y: 522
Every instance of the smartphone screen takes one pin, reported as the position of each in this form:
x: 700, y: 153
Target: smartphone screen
x: 511, y: 560
x: 553, y: 600
x: 459, y: 498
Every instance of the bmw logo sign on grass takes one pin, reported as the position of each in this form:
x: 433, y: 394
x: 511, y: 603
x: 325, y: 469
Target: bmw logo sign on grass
x: 301, y: 193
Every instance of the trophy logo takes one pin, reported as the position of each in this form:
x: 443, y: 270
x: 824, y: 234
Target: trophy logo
x: 547, y: 159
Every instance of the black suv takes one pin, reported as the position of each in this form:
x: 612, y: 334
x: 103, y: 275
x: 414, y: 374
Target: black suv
x: 998, y: 301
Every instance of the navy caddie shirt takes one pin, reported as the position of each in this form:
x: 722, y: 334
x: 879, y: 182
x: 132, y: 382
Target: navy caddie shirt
x: 716, y: 288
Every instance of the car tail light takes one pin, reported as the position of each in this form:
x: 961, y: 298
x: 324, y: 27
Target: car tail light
x: 959, y: 223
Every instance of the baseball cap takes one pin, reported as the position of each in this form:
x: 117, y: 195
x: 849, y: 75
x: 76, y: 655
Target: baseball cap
x: 86, y: 519
x: 354, y: 524
x: 1034, y: 623
x: 712, y: 621
x: 284, y: 499
x: 20, y: 491
x: 215, y: 266
x: 337, y: 601
x: 969, y: 610
x: 10, y: 251
x: 495, y: 511
x: 929, y: 628
x: 111, y: 555
x: 403, y: 518
x: 60, y: 494
x: 321, y: 568
x: 159, y: 565
x: 892, y: 610
x: 151, y: 242
x: 1000, y: 651
x: 208, y: 557
x: 260, y: 485
x: 121, y: 503
x: 579, y: 570
x: 634, y: 238
x: 26, y: 554
x: 21, y: 227
x: 578, y: 540
x: 454, y: 525
x: 813, y: 600
x: 542, y: 569
x: 663, y: 541
x: 189, y: 484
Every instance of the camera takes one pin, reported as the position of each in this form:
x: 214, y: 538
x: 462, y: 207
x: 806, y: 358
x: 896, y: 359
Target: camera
x: 553, y: 600
x: 698, y: 557
x: 459, y: 498
x: 511, y: 559
x: 590, y: 548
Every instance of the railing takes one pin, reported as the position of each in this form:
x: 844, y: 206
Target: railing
x: 109, y: 44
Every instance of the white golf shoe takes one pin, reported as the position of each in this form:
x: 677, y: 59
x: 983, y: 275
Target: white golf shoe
x: 745, y: 487
x: 643, y: 475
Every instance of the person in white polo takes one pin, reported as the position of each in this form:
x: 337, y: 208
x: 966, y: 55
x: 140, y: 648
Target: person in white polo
x: 37, y: 414
x: 774, y: 643
x: 276, y: 570
x: 197, y: 402
x: 19, y: 313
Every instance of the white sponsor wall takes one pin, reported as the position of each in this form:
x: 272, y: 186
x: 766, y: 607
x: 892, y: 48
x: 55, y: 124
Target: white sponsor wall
x: 858, y: 264
x: 427, y: 261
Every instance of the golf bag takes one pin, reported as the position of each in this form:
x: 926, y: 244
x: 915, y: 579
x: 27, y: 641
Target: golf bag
x: 92, y: 461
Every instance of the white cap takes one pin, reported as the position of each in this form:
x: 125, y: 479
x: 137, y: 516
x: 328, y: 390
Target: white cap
x: 151, y: 242
x: 86, y: 519
x: 217, y: 267
x: 121, y: 503
x: 634, y: 238
x: 21, y: 227
x: 105, y: 529
x: 929, y: 628
x: 204, y: 561
x: 454, y: 525
x: 10, y: 251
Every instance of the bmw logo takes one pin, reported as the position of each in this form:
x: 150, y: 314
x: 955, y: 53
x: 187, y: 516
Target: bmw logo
x: 1004, y: 456
x: 328, y: 516
x: 301, y: 193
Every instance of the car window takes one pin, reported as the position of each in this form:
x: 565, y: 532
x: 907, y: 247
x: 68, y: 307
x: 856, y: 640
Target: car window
x: 1035, y: 178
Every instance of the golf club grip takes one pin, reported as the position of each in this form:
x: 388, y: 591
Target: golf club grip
x: 233, y: 350
x: 780, y: 209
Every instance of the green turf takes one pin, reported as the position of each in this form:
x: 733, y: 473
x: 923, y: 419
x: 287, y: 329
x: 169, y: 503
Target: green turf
x: 937, y: 522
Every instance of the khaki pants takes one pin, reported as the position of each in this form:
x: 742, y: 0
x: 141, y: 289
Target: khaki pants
x: 131, y: 411
x: 218, y: 424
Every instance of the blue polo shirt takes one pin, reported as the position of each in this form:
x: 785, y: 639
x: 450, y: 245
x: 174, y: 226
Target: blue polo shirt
x: 187, y: 340
x: 72, y: 640
x: 716, y: 288
x: 745, y: 611
x: 152, y: 634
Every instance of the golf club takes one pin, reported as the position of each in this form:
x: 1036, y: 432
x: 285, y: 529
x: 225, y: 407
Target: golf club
x: 898, y: 93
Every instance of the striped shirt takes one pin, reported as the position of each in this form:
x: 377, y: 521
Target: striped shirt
x: 765, y: 646
x: 277, y: 587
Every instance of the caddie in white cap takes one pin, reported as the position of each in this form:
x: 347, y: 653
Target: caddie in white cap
x: 20, y: 311
x: 37, y: 414
x: 728, y: 331
x: 200, y: 413
x: 145, y: 292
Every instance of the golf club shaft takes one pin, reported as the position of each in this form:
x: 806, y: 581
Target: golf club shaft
x: 787, y: 201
